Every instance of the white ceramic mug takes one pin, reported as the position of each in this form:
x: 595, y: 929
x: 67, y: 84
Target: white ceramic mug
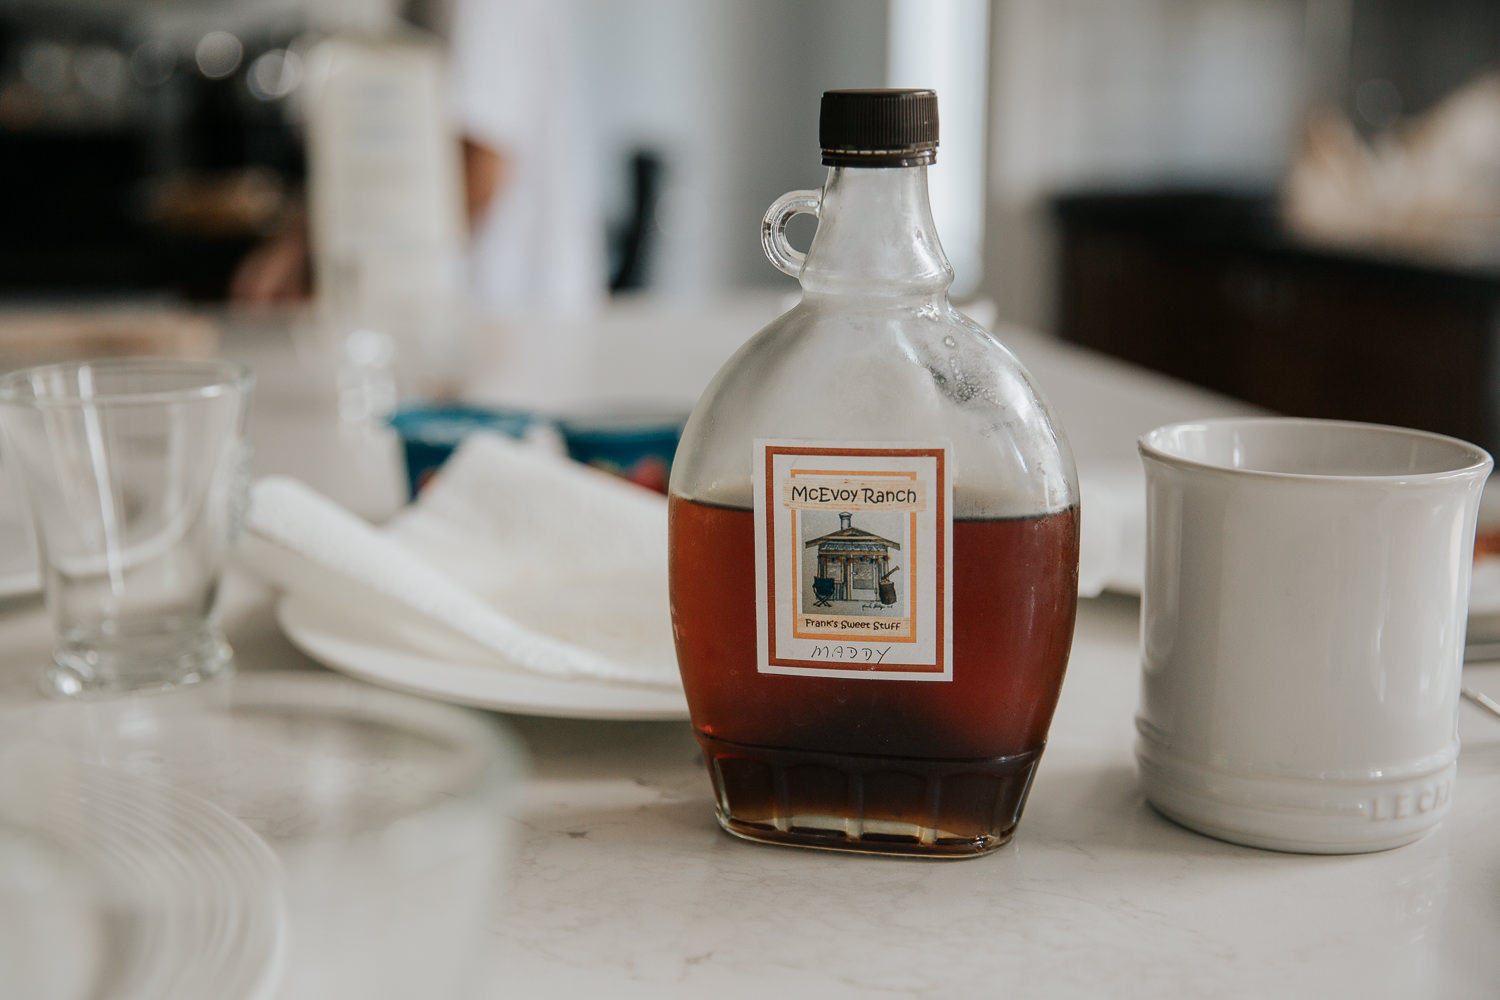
x: 1302, y: 629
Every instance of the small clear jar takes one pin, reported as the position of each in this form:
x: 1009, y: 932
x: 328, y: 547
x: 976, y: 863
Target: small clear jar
x: 873, y: 532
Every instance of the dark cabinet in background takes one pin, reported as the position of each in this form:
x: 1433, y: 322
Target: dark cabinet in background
x: 1207, y: 288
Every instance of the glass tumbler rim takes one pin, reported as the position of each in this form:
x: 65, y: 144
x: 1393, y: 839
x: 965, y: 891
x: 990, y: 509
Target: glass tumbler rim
x: 200, y: 379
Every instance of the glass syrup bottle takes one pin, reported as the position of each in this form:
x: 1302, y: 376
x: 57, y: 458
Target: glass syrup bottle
x: 873, y: 532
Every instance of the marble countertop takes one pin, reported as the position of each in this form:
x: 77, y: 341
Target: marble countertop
x: 622, y: 885
x: 625, y: 885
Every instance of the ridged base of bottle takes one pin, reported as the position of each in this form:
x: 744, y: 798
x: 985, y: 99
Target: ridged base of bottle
x: 877, y: 805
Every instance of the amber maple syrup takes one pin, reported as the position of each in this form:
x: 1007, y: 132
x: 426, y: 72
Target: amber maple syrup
x: 857, y: 763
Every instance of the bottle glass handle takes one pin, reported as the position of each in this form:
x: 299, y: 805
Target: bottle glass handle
x: 786, y: 257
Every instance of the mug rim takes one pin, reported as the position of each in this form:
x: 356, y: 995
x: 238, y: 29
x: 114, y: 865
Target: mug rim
x: 1150, y: 446
x: 217, y: 377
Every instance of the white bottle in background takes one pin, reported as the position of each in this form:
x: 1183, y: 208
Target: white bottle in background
x: 385, y: 212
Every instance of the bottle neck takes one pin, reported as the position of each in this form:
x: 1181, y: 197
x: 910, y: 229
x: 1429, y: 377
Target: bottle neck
x: 876, y: 236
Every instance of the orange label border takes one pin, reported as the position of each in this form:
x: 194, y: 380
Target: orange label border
x: 940, y: 556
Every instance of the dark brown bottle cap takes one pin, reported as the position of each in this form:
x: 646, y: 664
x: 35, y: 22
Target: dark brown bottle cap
x: 878, y: 128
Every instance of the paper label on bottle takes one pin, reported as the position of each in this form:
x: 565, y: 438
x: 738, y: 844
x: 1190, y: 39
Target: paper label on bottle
x: 852, y: 560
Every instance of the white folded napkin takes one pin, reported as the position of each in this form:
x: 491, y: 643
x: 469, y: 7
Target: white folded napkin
x: 549, y: 565
x: 1112, y: 554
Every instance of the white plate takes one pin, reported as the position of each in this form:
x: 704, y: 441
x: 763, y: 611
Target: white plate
x: 388, y: 659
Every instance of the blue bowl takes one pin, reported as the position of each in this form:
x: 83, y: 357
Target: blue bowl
x: 637, y: 447
x: 429, y: 434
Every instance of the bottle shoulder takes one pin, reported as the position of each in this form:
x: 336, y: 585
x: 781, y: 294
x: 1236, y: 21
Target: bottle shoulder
x: 915, y: 371
x: 919, y: 349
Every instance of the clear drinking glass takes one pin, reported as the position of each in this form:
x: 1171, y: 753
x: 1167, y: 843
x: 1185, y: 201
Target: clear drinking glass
x: 135, y: 473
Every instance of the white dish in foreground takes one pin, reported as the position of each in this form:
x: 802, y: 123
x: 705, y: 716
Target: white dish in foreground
x: 354, y: 649
x: 166, y: 895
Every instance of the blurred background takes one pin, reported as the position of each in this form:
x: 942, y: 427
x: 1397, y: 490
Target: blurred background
x: 1296, y: 202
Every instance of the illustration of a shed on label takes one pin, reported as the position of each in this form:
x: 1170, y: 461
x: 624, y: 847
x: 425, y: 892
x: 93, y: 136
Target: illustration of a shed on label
x: 853, y: 565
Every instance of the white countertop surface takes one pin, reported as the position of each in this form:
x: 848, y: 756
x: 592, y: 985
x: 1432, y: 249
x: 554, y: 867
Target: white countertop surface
x: 622, y: 884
